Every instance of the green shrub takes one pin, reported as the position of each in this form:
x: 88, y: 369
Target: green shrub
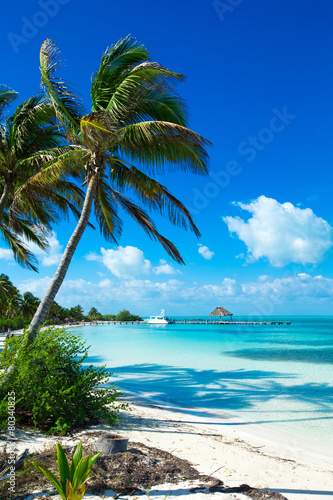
x: 125, y: 315
x: 108, y: 317
x: 16, y: 323
x: 54, y: 389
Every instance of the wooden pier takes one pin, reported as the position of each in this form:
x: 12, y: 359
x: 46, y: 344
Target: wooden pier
x: 201, y: 322
x: 204, y: 322
x: 230, y: 323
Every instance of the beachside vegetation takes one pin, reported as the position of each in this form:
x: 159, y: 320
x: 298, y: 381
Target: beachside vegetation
x: 73, y: 479
x: 135, y: 131
x: 94, y: 314
x: 125, y: 315
x: 55, y: 387
x: 16, y: 310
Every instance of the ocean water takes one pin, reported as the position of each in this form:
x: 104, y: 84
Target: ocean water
x: 278, y: 376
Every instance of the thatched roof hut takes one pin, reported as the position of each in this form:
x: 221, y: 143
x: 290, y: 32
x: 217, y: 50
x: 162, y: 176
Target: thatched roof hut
x: 221, y: 311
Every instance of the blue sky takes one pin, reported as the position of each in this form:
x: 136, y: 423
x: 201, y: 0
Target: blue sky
x: 259, y: 80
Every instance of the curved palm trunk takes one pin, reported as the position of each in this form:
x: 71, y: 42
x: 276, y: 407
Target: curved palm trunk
x: 4, y: 199
x: 60, y: 274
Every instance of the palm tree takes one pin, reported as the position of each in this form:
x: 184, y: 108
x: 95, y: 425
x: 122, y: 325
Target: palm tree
x: 29, y: 304
x: 57, y: 312
x: 6, y: 286
x: 136, y: 117
x: 7, y: 96
x: 93, y: 313
x: 29, y: 139
x: 7, y: 292
x: 13, y: 306
x: 76, y: 313
x: 10, y: 298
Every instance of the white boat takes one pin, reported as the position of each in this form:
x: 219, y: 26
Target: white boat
x: 158, y: 320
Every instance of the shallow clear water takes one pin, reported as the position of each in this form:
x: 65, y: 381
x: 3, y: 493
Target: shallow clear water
x: 279, y: 376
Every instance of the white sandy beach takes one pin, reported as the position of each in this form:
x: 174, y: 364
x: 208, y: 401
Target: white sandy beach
x: 218, y: 448
x: 235, y: 456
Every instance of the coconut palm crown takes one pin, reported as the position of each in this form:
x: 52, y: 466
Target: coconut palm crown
x: 29, y: 140
x: 136, y: 129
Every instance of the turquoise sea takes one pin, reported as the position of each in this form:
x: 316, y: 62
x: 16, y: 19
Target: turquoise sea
x: 278, y: 376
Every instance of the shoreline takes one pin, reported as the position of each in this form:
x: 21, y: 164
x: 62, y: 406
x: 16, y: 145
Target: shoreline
x: 275, y: 443
x: 237, y: 456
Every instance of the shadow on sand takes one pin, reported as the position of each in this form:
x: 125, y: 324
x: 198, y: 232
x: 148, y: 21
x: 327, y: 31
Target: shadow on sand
x: 234, y: 390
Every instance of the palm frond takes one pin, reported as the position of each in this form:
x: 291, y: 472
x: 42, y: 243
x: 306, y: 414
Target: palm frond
x: 47, y: 194
x: 150, y: 71
x: 65, y: 205
x: 68, y: 105
x: 132, y: 87
x: 28, y: 117
x: 152, y: 194
x: 44, y: 204
x: 57, y: 164
x: 23, y: 256
x: 157, y: 144
x: 132, y: 103
x: 145, y: 82
x: 116, y: 61
x: 22, y: 226
x: 34, y: 208
x: 43, y: 159
x: 106, y: 215
x: 7, y: 96
x: 31, y: 232
x: 146, y: 223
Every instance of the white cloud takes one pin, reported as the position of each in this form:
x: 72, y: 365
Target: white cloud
x: 49, y: 258
x: 263, y: 277
x: 125, y: 261
x: 299, y: 288
x: 229, y: 287
x: 6, y: 254
x: 106, y: 283
x: 165, y: 268
x: 113, y: 296
x: 37, y: 286
x: 265, y: 295
x: 54, y: 255
x: 282, y: 232
x: 205, y: 252
x: 79, y: 284
x: 93, y: 256
x: 128, y: 262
